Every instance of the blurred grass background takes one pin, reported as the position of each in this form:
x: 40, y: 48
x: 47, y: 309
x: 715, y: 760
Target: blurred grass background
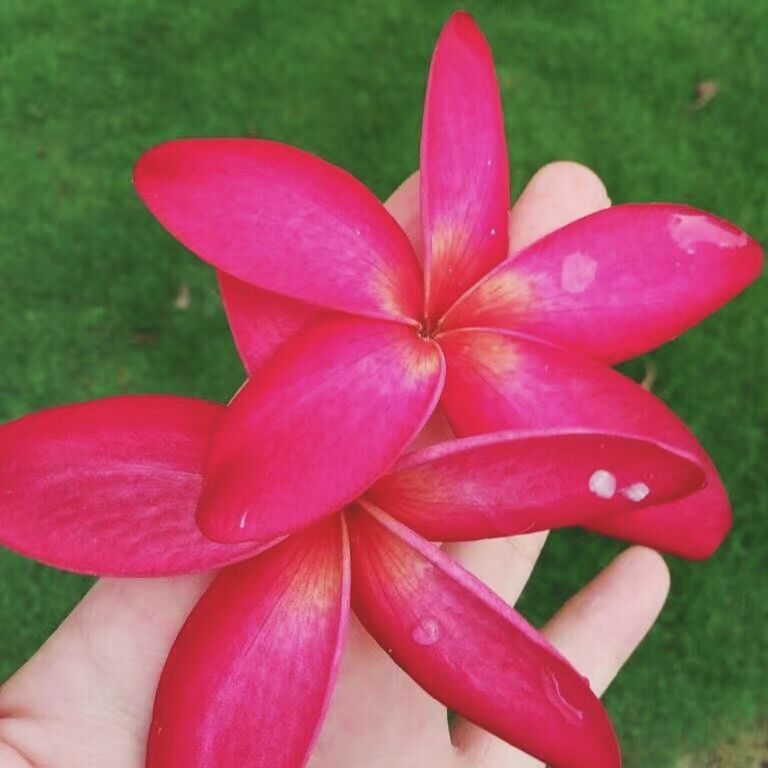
x: 666, y: 99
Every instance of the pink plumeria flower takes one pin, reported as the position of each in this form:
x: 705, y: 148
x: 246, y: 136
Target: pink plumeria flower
x: 350, y: 347
x: 375, y: 334
x: 110, y: 487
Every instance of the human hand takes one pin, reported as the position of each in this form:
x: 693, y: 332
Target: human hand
x: 86, y: 697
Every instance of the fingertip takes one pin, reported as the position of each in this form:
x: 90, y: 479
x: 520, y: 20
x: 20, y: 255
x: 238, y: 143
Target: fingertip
x: 558, y: 193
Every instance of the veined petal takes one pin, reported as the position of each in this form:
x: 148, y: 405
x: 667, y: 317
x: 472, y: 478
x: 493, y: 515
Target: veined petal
x: 283, y: 220
x: 617, y: 283
x: 470, y: 650
x: 513, y: 482
x: 110, y: 487
x: 261, y: 321
x: 464, y: 171
x: 249, y: 677
x: 498, y: 381
x: 317, y: 426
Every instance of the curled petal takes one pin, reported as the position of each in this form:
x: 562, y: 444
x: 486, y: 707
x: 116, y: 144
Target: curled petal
x: 464, y: 171
x: 283, y: 220
x: 617, y: 283
x: 498, y: 381
x: 249, y: 677
x: 470, y: 650
x: 515, y: 482
x: 317, y: 426
x: 110, y: 487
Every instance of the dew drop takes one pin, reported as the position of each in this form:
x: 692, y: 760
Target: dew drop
x: 690, y: 230
x: 578, y: 272
x: 603, y: 484
x: 426, y: 632
x: 636, y: 491
x: 493, y: 231
x: 552, y: 690
x: 243, y: 518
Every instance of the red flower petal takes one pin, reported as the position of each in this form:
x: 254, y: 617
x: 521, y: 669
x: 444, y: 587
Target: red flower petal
x: 464, y: 172
x: 317, y: 426
x: 496, y: 381
x: 262, y: 321
x: 250, y: 675
x: 470, y: 650
x: 514, y: 482
x: 617, y: 283
x: 283, y: 220
x: 110, y: 487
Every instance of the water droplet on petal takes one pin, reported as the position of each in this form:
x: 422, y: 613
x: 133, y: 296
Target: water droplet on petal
x: 426, y: 632
x: 243, y: 518
x: 578, y: 272
x: 636, y: 491
x: 603, y: 484
x: 691, y: 229
x: 552, y: 690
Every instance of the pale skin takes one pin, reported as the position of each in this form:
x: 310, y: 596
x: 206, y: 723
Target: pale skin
x: 85, y: 699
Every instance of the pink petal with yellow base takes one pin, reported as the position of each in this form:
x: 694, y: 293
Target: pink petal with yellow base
x: 464, y: 170
x: 249, y: 677
x: 508, y: 483
x: 470, y: 650
x: 317, y: 426
x: 262, y: 321
x: 617, y: 283
x: 110, y: 487
x: 283, y: 220
x: 498, y: 381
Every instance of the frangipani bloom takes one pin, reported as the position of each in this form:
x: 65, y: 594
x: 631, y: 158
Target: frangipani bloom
x: 110, y: 487
x: 352, y: 334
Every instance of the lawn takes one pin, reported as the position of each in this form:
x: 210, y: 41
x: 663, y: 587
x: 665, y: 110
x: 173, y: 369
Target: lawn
x: 90, y: 283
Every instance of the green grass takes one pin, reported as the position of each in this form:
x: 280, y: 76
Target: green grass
x: 88, y: 279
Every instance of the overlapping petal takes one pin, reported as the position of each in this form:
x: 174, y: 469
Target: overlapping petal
x: 515, y: 482
x: 261, y: 321
x: 317, y: 426
x: 617, y: 283
x: 464, y: 169
x: 110, y: 487
x: 500, y: 381
x: 249, y: 677
x: 470, y: 650
x: 283, y: 220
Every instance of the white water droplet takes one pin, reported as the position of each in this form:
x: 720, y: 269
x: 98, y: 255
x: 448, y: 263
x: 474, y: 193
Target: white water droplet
x: 493, y: 231
x: 636, y: 491
x: 243, y: 518
x: 426, y: 632
x: 489, y: 162
x: 578, y: 272
x: 603, y: 484
x: 357, y: 232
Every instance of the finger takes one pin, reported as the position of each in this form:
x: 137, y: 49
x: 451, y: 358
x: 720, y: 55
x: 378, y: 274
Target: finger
x: 597, y: 630
x: 405, y: 206
x: 556, y: 195
x: 86, y: 697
